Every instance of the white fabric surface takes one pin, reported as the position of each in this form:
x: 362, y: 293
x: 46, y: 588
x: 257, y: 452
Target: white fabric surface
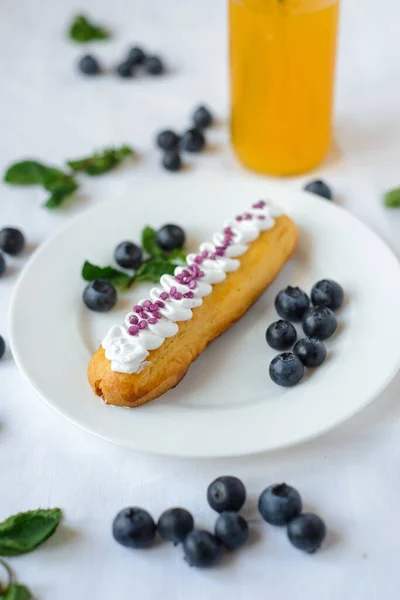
x: 350, y: 476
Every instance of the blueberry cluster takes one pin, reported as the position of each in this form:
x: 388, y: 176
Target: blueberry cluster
x: 135, y: 60
x: 192, y: 140
x: 12, y: 242
x: 281, y: 504
x: 318, y: 321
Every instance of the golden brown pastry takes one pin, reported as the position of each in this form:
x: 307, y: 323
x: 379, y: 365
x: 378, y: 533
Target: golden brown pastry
x: 161, y: 337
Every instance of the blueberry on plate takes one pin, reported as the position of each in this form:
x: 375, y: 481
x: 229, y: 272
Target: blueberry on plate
x: 12, y: 241
x: 154, y: 65
x: 319, y: 188
x: 170, y: 237
x: 327, y: 293
x: 167, y: 140
x: 174, y: 525
x: 226, y: 493
x: 128, y: 255
x: 100, y: 295
x: 281, y: 335
x: 171, y: 161
x: 307, y: 532
x: 125, y: 69
x: 292, y: 303
x: 88, y: 65
x: 193, y: 140
x: 319, y: 322
x: 286, y: 369
x: 2, y: 347
x: 134, y: 528
x: 231, y: 529
x: 202, y: 118
x: 136, y: 56
x: 2, y: 265
x: 201, y: 549
x: 279, y: 503
x: 311, y: 352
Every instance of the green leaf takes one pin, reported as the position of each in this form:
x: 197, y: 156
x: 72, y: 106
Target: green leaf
x: 392, y: 198
x: 154, y: 269
x: 100, y: 163
x: 17, y: 592
x: 91, y: 272
x: 26, y: 172
x: 25, y: 531
x: 177, y: 256
x: 82, y: 31
x: 60, y: 184
x: 149, y: 242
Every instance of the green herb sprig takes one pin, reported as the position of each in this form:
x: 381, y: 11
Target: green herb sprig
x: 157, y: 264
x: 62, y: 184
x: 392, y: 198
x: 83, y: 31
x: 22, y: 533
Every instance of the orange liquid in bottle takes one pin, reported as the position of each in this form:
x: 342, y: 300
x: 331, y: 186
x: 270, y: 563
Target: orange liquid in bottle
x: 282, y: 66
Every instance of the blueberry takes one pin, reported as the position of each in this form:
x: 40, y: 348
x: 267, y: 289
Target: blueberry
x: 319, y: 322
x: 231, y: 530
x: 2, y: 265
x: 2, y: 347
x: 12, y: 241
x: 128, y: 255
x: 154, y: 65
x: 193, y: 140
x: 134, y: 528
x: 167, y: 140
x: 202, y: 118
x: 279, y: 504
x: 311, y: 352
x: 292, y: 303
x: 89, y: 65
x: 100, y: 295
x: 320, y: 188
x: 174, y: 524
x: 286, y: 369
x: 125, y: 69
x: 136, y: 56
x: 170, y: 237
x: 226, y: 493
x: 201, y: 549
x: 172, y: 161
x: 281, y: 335
x: 327, y: 293
x: 307, y: 532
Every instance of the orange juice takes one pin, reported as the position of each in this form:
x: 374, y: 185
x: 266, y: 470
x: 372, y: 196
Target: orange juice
x: 282, y: 64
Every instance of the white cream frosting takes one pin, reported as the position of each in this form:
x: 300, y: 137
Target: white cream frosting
x: 127, y: 346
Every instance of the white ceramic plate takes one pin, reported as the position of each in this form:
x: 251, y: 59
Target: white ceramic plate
x: 226, y: 405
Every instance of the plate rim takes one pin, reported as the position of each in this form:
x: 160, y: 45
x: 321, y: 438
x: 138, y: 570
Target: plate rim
x: 189, y: 453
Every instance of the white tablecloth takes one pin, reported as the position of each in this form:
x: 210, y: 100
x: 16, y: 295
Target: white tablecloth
x: 350, y: 476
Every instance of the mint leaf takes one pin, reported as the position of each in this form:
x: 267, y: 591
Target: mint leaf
x: 82, y: 31
x: 25, y: 531
x: 149, y: 242
x: 154, y: 269
x: 60, y: 184
x: 17, y: 592
x: 26, y: 172
x: 100, y: 163
x: 392, y: 198
x: 177, y: 256
x: 91, y: 272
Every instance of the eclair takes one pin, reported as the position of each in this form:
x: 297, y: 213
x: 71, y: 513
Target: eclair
x: 148, y: 354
